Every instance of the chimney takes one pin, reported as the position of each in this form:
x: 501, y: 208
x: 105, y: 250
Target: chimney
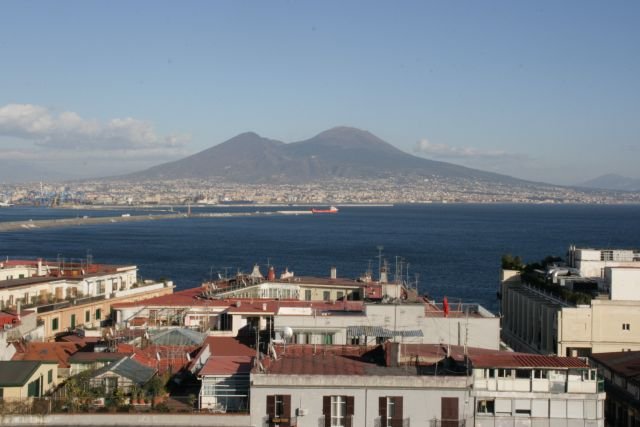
x: 18, y: 309
x: 264, y: 306
x: 334, y: 273
x: 40, y: 271
x: 271, y: 275
x: 392, y: 354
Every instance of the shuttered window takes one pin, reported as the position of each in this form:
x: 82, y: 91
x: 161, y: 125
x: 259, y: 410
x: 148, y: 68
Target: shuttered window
x: 279, y: 410
x: 390, y: 411
x: 338, y: 411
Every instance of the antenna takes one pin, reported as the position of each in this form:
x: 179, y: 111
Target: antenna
x: 380, y: 248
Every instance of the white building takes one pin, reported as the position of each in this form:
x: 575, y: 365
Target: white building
x: 308, y: 387
x: 592, y: 262
x: 537, y: 320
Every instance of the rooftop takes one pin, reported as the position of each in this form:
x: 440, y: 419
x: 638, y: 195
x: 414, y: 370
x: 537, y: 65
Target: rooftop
x: 227, y: 365
x: 15, y: 373
x: 129, y: 368
x: 59, y: 352
x: 523, y: 360
x: 626, y: 363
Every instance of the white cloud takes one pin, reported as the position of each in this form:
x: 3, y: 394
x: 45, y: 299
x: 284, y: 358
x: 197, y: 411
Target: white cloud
x: 443, y: 151
x: 68, y: 130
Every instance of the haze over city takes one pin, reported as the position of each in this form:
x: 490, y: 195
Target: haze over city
x: 540, y: 91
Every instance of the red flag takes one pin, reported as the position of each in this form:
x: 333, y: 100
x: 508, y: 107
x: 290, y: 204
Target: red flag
x: 445, y: 306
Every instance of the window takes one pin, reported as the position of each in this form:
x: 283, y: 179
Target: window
x: 73, y: 321
x: 339, y: 295
x: 390, y: 411
x: 279, y: 406
x: 338, y: 411
x: 279, y: 409
x: 33, y: 389
x: 486, y: 407
x: 54, y: 324
x: 491, y: 373
x: 50, y: 376
x: 87, y: 316
x: 101, y: 287
x: 98, y: 313
x: 606, y: 256
x: 327, y: 339
x: 626, y: 326
x: 504, y: 373
x: 326, y: 295
x: 523, y: 373
x: 307, y: 294
x: 540, y: 374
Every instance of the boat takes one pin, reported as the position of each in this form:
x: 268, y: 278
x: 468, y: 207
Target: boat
x: 331, y: 210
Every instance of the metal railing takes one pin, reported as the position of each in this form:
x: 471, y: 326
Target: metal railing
x: 393, y: 422
x: 447, y: 423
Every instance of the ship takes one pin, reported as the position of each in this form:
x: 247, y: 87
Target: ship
x: 331, y: 210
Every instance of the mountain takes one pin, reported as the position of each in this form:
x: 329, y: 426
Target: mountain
x: 341, y: 152
x: 613, y: 182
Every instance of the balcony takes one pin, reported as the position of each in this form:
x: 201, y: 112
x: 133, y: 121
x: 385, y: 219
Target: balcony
x: 447, y: 423
x: 141, y: 288
x: 394, y: 422
x: 68, y: 302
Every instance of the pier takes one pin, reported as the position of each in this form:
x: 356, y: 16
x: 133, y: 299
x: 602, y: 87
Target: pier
x: 79, y: 221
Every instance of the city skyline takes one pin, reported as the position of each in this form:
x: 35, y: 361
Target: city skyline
x: 543, y: 92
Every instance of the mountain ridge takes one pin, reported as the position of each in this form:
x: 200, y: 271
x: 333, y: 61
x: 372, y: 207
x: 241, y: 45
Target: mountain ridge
x: 339, y: 152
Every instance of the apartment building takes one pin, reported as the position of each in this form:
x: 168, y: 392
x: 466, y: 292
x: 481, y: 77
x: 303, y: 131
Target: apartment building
x: 306, y: 387
x: 535, y: 319
x: 68, y: 295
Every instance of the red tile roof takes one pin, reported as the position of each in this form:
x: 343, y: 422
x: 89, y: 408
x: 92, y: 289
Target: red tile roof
x: 172, y: 358
x: 189, y: 298
x: 523, y: 360
x: 318, y: 364
x: 227, y: 365
x: 228, y: 346
x: 46, y: 351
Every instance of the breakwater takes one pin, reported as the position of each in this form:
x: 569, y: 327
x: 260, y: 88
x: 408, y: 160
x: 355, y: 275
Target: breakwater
x: 87, y: 220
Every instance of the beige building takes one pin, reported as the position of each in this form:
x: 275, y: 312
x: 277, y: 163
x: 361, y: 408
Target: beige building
x: 20, y: 379
x: 70, y: 295
x: 535, y: 320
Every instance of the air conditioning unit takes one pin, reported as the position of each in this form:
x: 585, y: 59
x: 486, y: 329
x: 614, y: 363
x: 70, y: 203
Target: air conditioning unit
x: 302, y: 412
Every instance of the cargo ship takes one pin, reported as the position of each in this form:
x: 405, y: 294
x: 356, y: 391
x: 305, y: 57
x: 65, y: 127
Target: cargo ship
x: 331, y: 210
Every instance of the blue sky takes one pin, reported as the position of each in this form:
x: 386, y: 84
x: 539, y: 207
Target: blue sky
x: 540, y: 90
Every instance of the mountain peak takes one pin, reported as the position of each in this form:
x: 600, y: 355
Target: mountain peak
x: 339, y: 152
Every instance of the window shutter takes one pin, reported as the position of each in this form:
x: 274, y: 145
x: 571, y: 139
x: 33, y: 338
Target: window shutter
x: 382, y: 410
x: 271, y: 406
x: 398, y: 406
x: 326, y: 410
x: 286, y: 400
x: 350, y: 410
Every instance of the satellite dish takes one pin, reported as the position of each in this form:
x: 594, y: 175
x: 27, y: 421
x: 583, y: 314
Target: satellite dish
x: 287, y: 332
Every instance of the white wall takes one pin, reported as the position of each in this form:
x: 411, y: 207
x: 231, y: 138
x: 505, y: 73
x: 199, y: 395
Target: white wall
x: 421, y: 396
x: 624, y: 283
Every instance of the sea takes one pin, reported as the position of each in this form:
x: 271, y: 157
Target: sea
x: 451, y: 250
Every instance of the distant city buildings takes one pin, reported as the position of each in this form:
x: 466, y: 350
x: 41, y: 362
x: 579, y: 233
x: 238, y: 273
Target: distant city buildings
x: 205, y: 192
